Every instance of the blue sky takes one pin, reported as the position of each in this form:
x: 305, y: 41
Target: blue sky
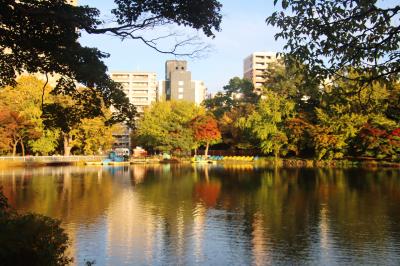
x: 243, y: 31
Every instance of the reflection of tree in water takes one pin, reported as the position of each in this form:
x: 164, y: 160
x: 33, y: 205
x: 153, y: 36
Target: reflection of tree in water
x: 299, y: 208
x: 73, y: 194
x: 294, y: 202
x: 265, y: 214
x: 167, y: 193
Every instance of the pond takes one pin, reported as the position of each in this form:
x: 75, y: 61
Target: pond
x: 217, y: 215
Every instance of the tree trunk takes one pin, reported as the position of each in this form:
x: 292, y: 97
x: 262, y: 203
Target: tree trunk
x: 195, y: 151
x: 67, y: 147
x: 206, y: 151
x: 15, y: 147
x: 22, y: 147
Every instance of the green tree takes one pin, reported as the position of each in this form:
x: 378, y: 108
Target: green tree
x: 346, y: 107
x: 289, y: 80
x: 165, y: 126
x: 237, y: 92
x: 237, y: 99
x: 95, y: 136
x: 331, y: 36
x: 267, y: 123
x: 66, y: 115
x: 47, y: 143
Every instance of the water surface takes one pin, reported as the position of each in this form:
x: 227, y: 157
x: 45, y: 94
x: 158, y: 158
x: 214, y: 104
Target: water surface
x: 215, y: 215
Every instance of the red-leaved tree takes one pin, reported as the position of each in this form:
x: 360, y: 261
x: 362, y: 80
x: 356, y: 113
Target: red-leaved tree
x: 205, y: 131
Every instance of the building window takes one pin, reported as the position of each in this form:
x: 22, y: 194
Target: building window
x: 181, y: 83
x: 140, y: 76
x: 180, y: 96
x: 180, y: 90
x: 119, y: 76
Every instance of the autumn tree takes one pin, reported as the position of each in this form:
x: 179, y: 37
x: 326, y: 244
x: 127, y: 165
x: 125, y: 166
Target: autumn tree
x: 205, y: 131
x: 26, y: 99
x: 15, y: 128
x: 95, y: 136
x: 43, y: 37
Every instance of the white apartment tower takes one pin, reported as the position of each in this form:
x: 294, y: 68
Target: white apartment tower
x: 254, y: 67
x: 200, y: 91
x: 139, y: 87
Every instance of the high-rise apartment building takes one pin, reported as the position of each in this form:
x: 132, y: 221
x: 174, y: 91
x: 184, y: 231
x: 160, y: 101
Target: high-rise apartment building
x: 254, y: 67
x: 178, y: 84
x: 200, y: 91
x: 141, y: 89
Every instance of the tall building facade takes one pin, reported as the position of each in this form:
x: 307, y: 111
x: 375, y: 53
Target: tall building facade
x: 200, y: 91
x: 141, y: 89
x: 178, y: 84
x: 254, y: 67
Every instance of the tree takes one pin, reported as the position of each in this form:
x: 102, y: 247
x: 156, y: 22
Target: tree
x: 237, y: 99
x: 331, y: 36
x: 267, y: 122
x: 205, y: 131
x: 290, y: 81
x: 66, y: 115
x: 16, y: 128
x: 26, y: 99
x: 165, y: 126
x: 42, y: 37
x: 31, y: 239
x: 47, y: 143
x: 95, y: 136
x: 237, y: 92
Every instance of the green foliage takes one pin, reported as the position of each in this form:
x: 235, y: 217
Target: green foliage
x: 30, y: 239
x: 166, y: 126
x: 290, y: 80
x: 237, y: 93
x: 331, y: 36
x: 238, y: 99
x: 95, y: 136
x: 46, y: 144
x: 267, y: 123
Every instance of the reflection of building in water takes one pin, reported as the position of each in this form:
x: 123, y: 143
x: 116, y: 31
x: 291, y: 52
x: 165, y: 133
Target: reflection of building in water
x: 198, y: 231
x: 132, y: 228
x: 259, y: 242
x: 138, y: 173
x: 324, y: 230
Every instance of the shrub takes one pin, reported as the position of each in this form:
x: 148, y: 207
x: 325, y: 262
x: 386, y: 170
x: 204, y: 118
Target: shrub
x: 30, y: 239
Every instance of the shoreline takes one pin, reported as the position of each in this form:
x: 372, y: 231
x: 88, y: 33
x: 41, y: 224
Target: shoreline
x: 262, y: 161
